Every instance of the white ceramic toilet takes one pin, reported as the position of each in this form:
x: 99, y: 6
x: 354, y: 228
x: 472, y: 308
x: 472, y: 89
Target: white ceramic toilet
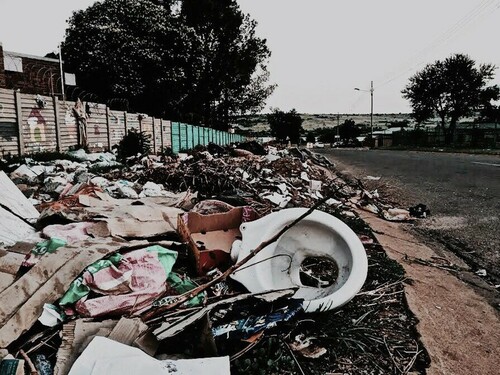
x: 278, y: 266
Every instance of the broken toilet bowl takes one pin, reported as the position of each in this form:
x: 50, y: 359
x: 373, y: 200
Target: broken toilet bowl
x: 317, y: 239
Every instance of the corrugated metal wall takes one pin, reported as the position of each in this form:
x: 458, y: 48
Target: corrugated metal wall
x: 67, y: 125
x: 97, y: 129
x: 116, y: 126
x: 9, y: 139
x: 29, y: 126
x: 167, y: 133
x: 38, y: 124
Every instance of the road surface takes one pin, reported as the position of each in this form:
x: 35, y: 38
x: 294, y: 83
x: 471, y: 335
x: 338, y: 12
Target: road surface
x: 461, y: 190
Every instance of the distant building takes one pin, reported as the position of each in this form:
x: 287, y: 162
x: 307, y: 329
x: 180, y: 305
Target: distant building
x: 31, y: 74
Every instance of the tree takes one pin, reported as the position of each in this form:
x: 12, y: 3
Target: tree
x: 349, y: 130
x: 450, y: 89
x: 310, y: 138
x: 195, y: 61
x: 129, y: 50
x: 231, y: 74
x: 285, y: 125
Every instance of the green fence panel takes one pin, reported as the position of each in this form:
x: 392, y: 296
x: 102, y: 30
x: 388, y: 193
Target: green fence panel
x: 175, y: 136
x: 196, y: 133
x: 205, y: 136
x: 183, y: 137
x: 189, y: 137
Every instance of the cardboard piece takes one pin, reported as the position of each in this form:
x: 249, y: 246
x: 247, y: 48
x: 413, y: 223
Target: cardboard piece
x: 10, y: 261
x: 210, y: 237
x: 76, y: 335
x: 128, y: 330
x: 13, y: 199
x: 105, y: 356
x: 13, y: 229
x: 6, y: 279
x: 129, y: 220
x: 22, y: 302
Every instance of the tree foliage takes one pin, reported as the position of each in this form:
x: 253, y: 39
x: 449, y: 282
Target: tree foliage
x: 197, y: 61
x: 285, y: 125
x: 450, y: 89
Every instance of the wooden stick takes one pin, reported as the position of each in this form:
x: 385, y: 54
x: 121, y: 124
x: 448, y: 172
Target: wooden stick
x: 194, y: 292
x: 32, y: 367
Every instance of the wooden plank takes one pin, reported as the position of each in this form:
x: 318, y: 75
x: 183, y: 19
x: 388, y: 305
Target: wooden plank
x: 19, y: 114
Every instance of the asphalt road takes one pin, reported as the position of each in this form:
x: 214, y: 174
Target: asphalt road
x: 461, y: 190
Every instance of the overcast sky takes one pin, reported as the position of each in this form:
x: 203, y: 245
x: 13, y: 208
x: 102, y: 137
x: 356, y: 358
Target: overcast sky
x: 321, y: 49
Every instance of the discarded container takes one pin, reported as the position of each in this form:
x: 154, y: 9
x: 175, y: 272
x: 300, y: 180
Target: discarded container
x: 12, y: 367
x: 210, y: 237
x: 320, y: 240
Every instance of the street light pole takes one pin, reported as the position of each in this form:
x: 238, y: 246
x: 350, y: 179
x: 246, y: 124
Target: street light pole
x: 371, y: 105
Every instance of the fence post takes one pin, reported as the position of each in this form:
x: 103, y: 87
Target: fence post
x: 19, y: 117
x: 161, y: 136
x: 192, y: 136
x: 108, y: 128
x: 125, y: 121
x: 55, y: 100
x: 180, y: 137
x: 154, y: 135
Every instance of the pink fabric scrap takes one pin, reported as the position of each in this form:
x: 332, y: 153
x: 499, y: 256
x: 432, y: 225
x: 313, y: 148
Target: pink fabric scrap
x: 146, y: 282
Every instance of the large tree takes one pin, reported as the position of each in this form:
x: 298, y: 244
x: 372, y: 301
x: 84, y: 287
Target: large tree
x: 195, y: 61
x: 450, y: 89
x: 230, y: 76
x: 285, y: 125
x: 133, y: 51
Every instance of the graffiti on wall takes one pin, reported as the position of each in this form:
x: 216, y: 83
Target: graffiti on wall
x: 70, y: 122
x: 37, y: 125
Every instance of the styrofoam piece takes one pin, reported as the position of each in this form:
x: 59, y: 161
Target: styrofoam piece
x: 277, y: 266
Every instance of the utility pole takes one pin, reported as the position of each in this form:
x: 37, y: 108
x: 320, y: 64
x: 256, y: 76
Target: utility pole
x: 371, y: 109
x: 371, y: 105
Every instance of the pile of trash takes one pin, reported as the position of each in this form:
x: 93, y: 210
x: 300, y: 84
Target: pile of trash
x: 187, y: 264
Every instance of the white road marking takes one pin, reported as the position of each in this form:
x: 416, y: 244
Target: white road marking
x: 491, y: 164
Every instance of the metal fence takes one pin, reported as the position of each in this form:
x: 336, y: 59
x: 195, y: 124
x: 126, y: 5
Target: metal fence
x: 34, y: 123
x: 474, y: 137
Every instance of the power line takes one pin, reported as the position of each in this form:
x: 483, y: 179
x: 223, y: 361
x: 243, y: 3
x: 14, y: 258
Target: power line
x: 478, y: 12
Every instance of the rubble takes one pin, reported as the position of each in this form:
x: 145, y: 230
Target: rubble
x: 138, y: 262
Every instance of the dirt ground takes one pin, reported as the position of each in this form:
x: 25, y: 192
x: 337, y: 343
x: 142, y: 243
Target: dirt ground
x: 458, y: 327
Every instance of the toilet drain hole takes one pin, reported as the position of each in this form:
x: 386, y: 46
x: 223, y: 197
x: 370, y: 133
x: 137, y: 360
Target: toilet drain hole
x: 318, y: 272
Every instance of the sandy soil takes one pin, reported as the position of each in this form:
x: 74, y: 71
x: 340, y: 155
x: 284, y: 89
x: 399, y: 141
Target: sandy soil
x: 459, y: 328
